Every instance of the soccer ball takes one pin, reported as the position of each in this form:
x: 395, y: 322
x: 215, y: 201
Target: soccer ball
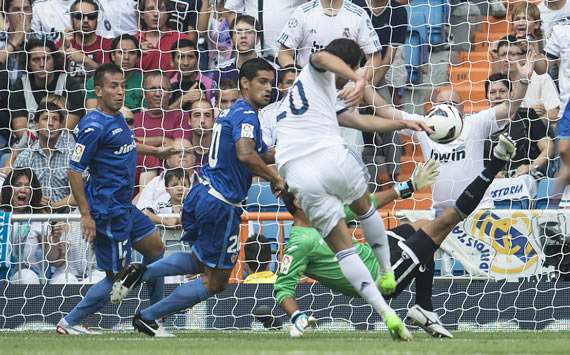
x: 446, y: 122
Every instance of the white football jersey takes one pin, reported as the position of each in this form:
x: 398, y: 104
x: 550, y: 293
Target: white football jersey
x: 268, y: 121
x: 558, y: 45
x: 459, y: 161
x: 310, y: 29
x: 549, y: 18
x: 307, y: 120
x: 115, y: 17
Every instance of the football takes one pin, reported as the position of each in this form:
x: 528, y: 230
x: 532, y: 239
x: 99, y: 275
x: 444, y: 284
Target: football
x: 446, y: 122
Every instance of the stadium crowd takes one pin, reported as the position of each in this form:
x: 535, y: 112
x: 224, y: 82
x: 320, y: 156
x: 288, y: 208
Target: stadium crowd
x: 181, y: 60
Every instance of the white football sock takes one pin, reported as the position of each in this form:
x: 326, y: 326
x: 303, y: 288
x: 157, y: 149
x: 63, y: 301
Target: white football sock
x: 375, y: 234
x: 358, y: 275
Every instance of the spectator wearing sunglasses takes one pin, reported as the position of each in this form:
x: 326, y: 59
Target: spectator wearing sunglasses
x: 84, y: 48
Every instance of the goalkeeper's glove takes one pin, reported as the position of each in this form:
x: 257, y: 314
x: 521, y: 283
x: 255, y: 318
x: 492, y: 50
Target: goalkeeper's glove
x: 424, y: 175
x: 300, y: 323
x: 386, y: 283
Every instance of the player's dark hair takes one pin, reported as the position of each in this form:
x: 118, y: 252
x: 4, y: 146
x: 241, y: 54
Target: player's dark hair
x: 189, y: 106
x: 250, y: 68
x: 291, y: 68
x: 250, y: 20
x: 8, y: 190
x: 90, y: 2
x: 257, y: 253
x: 347, y: 50
x: 49, y: 47
x: 156, y: 73
x: 49, y: 107
x: 107, y: 68
x: 125, y: 37
x: 289, y: 201
x: 7, y: 3
x: 178, y: 173
x: 502, y: 78
x: 182, y: 43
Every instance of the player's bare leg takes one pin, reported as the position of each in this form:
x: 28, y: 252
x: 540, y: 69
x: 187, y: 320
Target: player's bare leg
x: 357, y: 274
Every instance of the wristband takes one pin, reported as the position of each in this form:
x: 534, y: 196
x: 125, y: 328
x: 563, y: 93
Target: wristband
x: 404, y: 189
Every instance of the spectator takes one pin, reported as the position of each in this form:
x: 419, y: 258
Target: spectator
x: 21, y: 194
x: 228, y: 93
x: 192, y: 85
x: 268, y: 114
x: 125, y: 52
x: 49, y: 156
x: 214, y: 20
x: 390, y: 20
x: 202, y: 122
x: 45, y: 76
x: 12, y: 41
x: 275, y: 15
x: 317, y: 23
x: 177, y: 184
x: 553, y: 12
x: 154, y: 193
x: 244, y: 32
x: 541, y: 95
x: 525, y: 26
x: 157, y: 125
x: 184, y: 16
x: 558, y: 51
x: 155, y: 37
x: 84, y: 48
x: 116, y: 17
x: 534, y: 146
x: 258, y: 258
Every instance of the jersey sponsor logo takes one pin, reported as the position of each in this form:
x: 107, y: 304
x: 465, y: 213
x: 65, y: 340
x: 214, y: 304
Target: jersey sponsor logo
x: 285, y: 264
x: 247, y: 130
x: 125, y: 148
x: 116, y: 131
x: 77, y: 152
x: 88, y: 130
x: 457, y: 154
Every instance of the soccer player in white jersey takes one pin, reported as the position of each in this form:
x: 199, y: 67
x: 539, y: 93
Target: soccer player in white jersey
x: 323, y: 173
x: 461, y: 160
x: 315, y: 24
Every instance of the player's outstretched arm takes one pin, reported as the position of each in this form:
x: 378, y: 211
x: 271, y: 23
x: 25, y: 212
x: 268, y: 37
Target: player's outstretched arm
x: 380, y: 106
x: 247, y: 155
x: 369, y: 123
x: 159, y: 152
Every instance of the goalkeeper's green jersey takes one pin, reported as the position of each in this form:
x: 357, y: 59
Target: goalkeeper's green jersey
x: 307, y: 254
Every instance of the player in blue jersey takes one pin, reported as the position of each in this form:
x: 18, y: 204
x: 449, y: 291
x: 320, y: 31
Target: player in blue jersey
x: 107, y: 149
x: 212, y: 209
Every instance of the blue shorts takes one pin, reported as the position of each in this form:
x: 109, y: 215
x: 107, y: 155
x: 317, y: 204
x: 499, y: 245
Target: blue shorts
x: 212, y: 227
x: 564, y: 124
x: 115, y: 236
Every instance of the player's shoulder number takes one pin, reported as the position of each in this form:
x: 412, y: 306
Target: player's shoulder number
x: 295, y: 108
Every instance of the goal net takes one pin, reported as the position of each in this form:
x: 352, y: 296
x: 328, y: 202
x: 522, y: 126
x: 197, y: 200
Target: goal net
x: 506, y: 267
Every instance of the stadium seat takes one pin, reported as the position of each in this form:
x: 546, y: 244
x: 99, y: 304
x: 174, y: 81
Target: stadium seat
x: 261, y: 199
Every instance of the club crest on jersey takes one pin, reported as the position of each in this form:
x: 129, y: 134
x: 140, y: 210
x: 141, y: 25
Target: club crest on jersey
x: 346, y: 32
x: 125, y: 148
x: 285, y: 264
x: 77, y: 152
x: 246, y: 130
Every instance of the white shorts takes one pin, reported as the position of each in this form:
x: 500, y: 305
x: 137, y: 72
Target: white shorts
x: 324, y: 181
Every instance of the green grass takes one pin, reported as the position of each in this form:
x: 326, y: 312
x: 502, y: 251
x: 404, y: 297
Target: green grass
x: 242, y: 342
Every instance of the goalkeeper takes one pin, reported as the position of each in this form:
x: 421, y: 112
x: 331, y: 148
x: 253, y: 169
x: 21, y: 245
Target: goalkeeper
x: 412, y: 247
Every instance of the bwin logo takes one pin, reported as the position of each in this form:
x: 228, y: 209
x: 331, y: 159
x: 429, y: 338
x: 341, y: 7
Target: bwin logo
x: 456, y: 154
x: 125, y: 148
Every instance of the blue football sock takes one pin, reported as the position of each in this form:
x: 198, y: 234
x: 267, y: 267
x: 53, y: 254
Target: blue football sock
x: 183, y: 297
x: 179, y: 263
x: 155, y: 286
x: 95, y: 299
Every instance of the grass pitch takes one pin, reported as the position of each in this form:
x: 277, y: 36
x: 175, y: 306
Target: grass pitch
x: 242, y: 342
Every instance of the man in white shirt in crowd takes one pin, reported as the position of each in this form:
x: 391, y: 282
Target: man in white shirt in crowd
x: 275, y: 16
x: 317, y: 23
x: 116, y: 17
